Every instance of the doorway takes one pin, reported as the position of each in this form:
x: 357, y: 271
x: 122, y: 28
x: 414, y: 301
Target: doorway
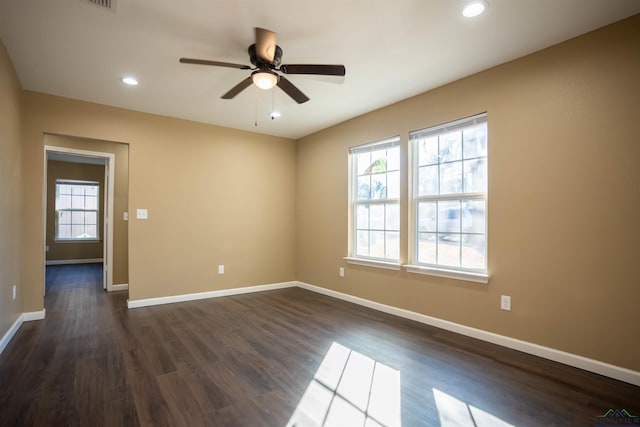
x: 85, y: 231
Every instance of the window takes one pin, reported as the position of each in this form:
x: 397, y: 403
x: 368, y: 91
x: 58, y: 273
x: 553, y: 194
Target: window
x: 449, y: 199
x: 376, y: 200
x: 77, y: 210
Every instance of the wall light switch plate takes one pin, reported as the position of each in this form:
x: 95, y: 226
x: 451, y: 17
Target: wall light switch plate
x: 221, y: 269
x: 125, y: 216
x: 142, y: 213
x: 505, y: 302
x: 341, y: 272
x: 14, y: 291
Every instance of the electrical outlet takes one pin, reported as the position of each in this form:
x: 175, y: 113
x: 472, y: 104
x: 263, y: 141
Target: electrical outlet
x: 505, y: 302
x: 221, y: 269
x: 125, y: 216
x: 341, y: 272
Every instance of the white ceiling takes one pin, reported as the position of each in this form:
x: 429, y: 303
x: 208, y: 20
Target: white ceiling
x: 392, y: 50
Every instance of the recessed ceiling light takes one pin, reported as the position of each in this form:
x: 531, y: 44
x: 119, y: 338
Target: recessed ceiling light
x: 474, y: 8
x: 128, y: 80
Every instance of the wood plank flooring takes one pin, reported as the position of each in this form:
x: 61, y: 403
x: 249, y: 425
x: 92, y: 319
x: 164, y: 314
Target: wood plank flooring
x: 248, y: 360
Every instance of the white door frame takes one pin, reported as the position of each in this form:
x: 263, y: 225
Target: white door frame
x: 107, y: 241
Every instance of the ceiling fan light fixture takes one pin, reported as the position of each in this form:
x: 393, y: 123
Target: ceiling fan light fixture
x: 265, y: 79
x: 474, y: 8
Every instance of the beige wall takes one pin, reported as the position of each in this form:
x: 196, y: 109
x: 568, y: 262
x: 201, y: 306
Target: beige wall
x: 10, y: 185
x: 120, y: 195
x: 564, y: 205
x: 72, y: 250
x: 214, y: 195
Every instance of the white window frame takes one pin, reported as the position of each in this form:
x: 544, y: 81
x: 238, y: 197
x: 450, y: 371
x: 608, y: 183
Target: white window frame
x: 354, y: 257
x: 73, y: 182
x: 479, y: 275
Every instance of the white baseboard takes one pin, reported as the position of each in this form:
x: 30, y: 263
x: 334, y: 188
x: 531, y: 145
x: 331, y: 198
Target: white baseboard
x: 73, y: 261
x: 602, y: 368
x: 34, y: 315
x: 205, y: 295
x: 24, y: 317
x: 120, y: 287
x: 4, y: 341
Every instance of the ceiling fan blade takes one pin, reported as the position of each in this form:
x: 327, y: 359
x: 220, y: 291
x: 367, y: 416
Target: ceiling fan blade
x: 291, y: 90
x: 265, y: 44
x: 324, y: 70
x: 215, y: 63
x: 238, y: 88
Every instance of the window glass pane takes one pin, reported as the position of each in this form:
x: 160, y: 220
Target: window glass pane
x: 379, y: 186
x: 91, y: 202
x: 427, y: 216
x: 451, y: 146
x: 77, y: 218
x: 392, y: 217
x: 78, y: 190
x: 393, y: 159
x: 364, y: 187
x: 475, y: 141
x: 64, y: 231
x: 376, y: 244
x: 428, y: 181
x: 392, y: 245
x: 77, y: 202
x: 449, y: 250
x: 90, y: 218
x: 428, y: 151
x: 473, y: 251
x: 91, y: 231
x: 451, y: 178
x: 77, y: 231
x: 475, y: 176
x: 377, y: 178
x: 427, y: 248
x: 362, y: 217
x: 376, y: 217
x: 476, y: 210
x: 362, y: 242
x: 92, y: 190
x: 64, y: 189
x: 363, y: 161
x: 64, y: 217
x: 393, y: 185
x: 63, y: 202
x: 449, y: 217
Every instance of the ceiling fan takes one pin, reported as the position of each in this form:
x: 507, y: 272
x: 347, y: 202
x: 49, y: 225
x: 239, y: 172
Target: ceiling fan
x: 265, y: 55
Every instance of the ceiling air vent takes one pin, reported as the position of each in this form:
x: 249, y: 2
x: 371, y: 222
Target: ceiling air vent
x: 107, y: 4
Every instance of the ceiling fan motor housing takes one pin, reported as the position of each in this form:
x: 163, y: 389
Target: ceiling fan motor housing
x: 277, y: 57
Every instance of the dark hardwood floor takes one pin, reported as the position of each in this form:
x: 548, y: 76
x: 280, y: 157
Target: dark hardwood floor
x: 251, y: 360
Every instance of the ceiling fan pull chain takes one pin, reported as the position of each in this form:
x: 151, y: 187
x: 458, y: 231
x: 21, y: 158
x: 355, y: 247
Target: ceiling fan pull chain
x: 255, y: 120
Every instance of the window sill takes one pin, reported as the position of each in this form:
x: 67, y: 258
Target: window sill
x: 449, y: 274
x: 373, y: 263
x: 77, y: 240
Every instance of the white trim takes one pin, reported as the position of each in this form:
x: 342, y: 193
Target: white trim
x: 205, y: 295
x: 373, y: 263
x: 450, y: 274
x: 592, y: 365
x: 24, y: 317
x: 34, y: 315
x: 73, y: 261
x: 6, y: 338
x: 120, y: 287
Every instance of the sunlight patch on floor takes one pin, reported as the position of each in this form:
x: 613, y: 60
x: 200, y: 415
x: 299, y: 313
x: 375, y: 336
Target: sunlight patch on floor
x: 351, y: 389
x: 456, y: 413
